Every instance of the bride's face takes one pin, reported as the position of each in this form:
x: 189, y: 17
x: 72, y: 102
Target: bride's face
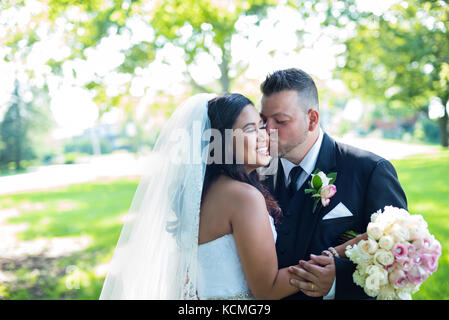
x: 250, y: 139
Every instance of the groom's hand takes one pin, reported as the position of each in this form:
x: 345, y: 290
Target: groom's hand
x: 314, y: 277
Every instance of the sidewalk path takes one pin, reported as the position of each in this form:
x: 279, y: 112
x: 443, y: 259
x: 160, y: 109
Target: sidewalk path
x: 53, y: 176
x: 388, y: 149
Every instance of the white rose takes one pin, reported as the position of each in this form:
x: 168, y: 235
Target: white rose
x: 419, y: 220
x: 404, y: 294
x: 384, y: 257
x: 383, y: 277
x: 386, y: 242
x: 379, y: 272
x: 398, y: 232
x: 362, y: 267
x: 375, y: 215
x: 371, y: 293
x: 401, y: 234
x: 373, y: 269
x: 348, y: 250
x: 415, y: 231
x: 361, y: 259
x: 387, y: 293
x: 369, y: 246
x: 372, y: 282
x: 359, y: 278
x: 374, y: 230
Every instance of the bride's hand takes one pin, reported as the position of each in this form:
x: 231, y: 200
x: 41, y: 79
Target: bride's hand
x: 314, y: 277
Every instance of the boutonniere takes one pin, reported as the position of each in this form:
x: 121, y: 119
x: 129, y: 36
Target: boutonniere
x: 322, y: 187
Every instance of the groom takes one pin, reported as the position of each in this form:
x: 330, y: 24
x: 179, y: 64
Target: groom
x: 365, y: 183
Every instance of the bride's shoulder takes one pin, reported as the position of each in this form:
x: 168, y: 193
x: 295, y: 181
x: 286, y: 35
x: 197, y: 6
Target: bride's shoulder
x: 241, y: 195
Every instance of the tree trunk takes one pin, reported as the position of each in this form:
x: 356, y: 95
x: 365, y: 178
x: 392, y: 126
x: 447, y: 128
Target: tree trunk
x: 96, y: 148
x: 224, y: 80
x: 443, y: 128
x: 20, y: 136
x: 224, y: 69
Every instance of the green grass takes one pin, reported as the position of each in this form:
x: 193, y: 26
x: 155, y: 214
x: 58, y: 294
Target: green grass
x: 425, y: 182
x: 93, y: 209
x: 89, y: 209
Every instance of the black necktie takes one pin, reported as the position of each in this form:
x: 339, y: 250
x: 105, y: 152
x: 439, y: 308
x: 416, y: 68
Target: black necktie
x: 294, y: 175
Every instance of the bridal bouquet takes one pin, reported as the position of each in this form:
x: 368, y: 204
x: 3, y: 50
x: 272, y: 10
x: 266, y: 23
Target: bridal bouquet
x: 397, y: 257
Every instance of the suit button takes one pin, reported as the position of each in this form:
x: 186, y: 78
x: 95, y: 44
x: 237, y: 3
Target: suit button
x: 286, y: 231
x: 282, y: 250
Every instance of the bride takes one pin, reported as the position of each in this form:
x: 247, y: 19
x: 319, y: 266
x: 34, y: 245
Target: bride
x: 201, y: 225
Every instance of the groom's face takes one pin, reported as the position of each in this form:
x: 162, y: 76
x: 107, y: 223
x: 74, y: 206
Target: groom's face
x: 282, y: 112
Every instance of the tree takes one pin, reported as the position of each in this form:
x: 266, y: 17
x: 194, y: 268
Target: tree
x: 24, y: 128
x: 13, y: 132
x: 205, y: 27
x: 87, y: 24
x: 401, y: 58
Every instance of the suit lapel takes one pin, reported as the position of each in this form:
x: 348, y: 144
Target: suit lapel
x: 326, y: 162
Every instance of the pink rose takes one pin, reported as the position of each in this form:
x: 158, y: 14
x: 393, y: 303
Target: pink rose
x: 435, y: 248
x: 429, y: 262
x: 422, y: 243
x: 400, y: 251
x: 327, y: 192
x: 389, y: 268
x: 406, y: 264
x: 411, y: 249
x: 417, y: 275
x: 398, y: 278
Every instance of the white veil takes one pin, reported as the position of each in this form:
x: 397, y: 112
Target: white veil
x: 157, y: 252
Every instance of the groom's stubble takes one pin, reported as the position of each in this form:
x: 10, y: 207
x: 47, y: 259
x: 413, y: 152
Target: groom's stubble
x: 297, y: 123
x: 297, y: 146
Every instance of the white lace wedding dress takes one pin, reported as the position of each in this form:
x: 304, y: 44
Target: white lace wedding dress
x: 220, y: 273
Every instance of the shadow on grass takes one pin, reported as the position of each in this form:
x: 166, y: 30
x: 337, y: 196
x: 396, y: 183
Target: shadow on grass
x: 91, y: 210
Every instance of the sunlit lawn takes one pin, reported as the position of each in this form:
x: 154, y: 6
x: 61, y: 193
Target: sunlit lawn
x: 93, y: 209
x: 425, y: 181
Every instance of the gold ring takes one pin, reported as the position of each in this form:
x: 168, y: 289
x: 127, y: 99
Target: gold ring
x: 313, y: 287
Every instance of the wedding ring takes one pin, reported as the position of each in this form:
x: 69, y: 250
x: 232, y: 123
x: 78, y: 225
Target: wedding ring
x: 313, y: 287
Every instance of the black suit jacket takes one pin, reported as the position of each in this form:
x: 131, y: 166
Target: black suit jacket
x: 365, y: 183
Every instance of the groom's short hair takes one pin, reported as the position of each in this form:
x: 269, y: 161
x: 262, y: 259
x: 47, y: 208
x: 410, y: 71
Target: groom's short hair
x: 292, y: 79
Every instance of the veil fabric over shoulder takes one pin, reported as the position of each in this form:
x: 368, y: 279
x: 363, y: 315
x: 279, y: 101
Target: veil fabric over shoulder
x: 157, y: 253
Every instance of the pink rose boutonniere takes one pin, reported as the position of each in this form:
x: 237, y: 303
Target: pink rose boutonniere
x: 322, y: 187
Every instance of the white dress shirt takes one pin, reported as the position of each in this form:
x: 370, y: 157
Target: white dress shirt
x: 307, y: 164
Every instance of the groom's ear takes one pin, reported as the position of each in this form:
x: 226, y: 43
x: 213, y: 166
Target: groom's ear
x: 314, y: 119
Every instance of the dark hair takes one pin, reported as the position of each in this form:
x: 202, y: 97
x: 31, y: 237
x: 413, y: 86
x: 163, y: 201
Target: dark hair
x: 223, y: 111
x: 292, y: 79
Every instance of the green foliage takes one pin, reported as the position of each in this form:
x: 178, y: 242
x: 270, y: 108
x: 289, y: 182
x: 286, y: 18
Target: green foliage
x: 139, y: 55
x: 333, y: 176
x: 71, y: 157
x: 210, y: 26
x: 316, y: 182
x: 83, y: 145
x: 21, y: 130
x: 401, y: 57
